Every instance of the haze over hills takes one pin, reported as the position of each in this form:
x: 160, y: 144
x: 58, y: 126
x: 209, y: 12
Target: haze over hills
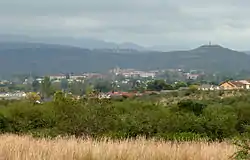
x: 49, y: 59
x: 87, y: 43
x: 81, y: 42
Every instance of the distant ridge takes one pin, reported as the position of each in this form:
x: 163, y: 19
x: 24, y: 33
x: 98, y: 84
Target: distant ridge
x: 48, y: 59
x: 247, y: 52
x: 69, y: 41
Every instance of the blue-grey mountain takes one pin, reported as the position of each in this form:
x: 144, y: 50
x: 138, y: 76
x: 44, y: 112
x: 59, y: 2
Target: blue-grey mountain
x: 17, y: 57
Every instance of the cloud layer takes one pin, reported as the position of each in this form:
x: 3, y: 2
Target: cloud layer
x: 185, y: 23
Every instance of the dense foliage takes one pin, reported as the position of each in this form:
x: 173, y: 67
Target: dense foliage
x: 188, y: 119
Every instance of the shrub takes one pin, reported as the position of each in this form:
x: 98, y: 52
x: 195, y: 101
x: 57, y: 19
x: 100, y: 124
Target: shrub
x: 189, y: 105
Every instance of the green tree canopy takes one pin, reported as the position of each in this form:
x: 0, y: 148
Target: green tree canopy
x: 103, y: 86
x: 159, y: 85
x: 35, y: 86
x: 46, y: 89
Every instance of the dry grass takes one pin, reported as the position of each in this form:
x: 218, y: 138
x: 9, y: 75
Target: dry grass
x: 27, y: 148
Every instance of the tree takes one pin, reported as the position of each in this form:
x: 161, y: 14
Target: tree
x: 35, y: 86
x: 67, y: 76
x: 138, y: 85
x: 192, y: 106
x: 33, y: 97
x: 171, y: 77
x: 46, y: 89
x: 159, y: 85
x: 180, y: 84
x: 77, y: 88
x: 89, y: 90
x: 103, y: 86
x: 17, y: 87
x: 64, y: 84
x: 193, y: 88
x: 4, y: 89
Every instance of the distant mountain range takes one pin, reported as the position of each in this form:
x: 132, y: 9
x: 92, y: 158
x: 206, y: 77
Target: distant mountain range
x: 88, y: 43
x: 82, y: 42
x: 23, y: 57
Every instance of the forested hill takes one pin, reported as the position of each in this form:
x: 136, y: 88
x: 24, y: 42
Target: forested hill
x: 47, y: 58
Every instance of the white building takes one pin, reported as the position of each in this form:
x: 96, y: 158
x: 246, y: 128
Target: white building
x: 14, y: 95
x: 57, y: 77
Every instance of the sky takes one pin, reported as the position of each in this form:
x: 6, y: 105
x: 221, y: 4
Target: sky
x: 182, y: 23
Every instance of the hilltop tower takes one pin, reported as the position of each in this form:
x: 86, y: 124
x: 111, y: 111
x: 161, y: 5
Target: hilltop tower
x: 209, y: 44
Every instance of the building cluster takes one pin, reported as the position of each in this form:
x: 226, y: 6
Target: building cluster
x: 5, y: 82
x: 70, y: 78
x: 76, y: 78
x: 13, y: 95
x: 125, y: 94
x: 232, y: 85
x: 134, y: 73
x: 190, y: 76
x: 129, y: 77
x: 228, y: 85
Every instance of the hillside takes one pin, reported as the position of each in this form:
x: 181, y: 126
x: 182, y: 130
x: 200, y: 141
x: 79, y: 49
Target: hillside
x: 47, y: 59
x: 247, y: 52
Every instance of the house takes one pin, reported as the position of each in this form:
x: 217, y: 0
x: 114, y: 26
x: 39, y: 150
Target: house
x: 57, y: 77
x: 231, y: 85
x: 190, y: 76
x: 246, y: 84
x: 104, y: 96
x: 29, y: 80
x: 147, y: 74
x: 39, y: 80
x: 13, y: 95
x: 208, y: 87
x: 123, y: 94
x: 183, y: 88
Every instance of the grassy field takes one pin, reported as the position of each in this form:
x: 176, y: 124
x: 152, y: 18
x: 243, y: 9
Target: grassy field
x: 14, y: 147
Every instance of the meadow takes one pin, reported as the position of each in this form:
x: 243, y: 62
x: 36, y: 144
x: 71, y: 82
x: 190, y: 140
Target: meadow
x: 13, y: 147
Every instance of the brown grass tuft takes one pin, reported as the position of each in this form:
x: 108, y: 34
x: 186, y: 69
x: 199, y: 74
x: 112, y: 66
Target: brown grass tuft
x: 14, y: 147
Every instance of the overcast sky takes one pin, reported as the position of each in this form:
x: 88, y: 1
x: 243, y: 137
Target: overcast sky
x: 184, y: 23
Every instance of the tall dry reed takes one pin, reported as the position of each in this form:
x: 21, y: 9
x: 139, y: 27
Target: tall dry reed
x: 13, y: 147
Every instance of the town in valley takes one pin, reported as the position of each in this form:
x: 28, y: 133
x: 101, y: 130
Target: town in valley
x: 120, y: 82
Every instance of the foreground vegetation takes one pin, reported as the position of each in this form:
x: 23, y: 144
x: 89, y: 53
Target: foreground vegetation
x: 23, y: 147
x: 176, y: 125
x: 186, y: 119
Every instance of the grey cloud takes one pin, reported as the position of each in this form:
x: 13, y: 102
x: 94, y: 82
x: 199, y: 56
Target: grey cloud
x: 149, y: 22
x: 74, y: 7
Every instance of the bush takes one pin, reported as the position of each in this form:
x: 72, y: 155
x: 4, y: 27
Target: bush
x: 3, y: 123
x: 191, y: 106
x: 220, y: 122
